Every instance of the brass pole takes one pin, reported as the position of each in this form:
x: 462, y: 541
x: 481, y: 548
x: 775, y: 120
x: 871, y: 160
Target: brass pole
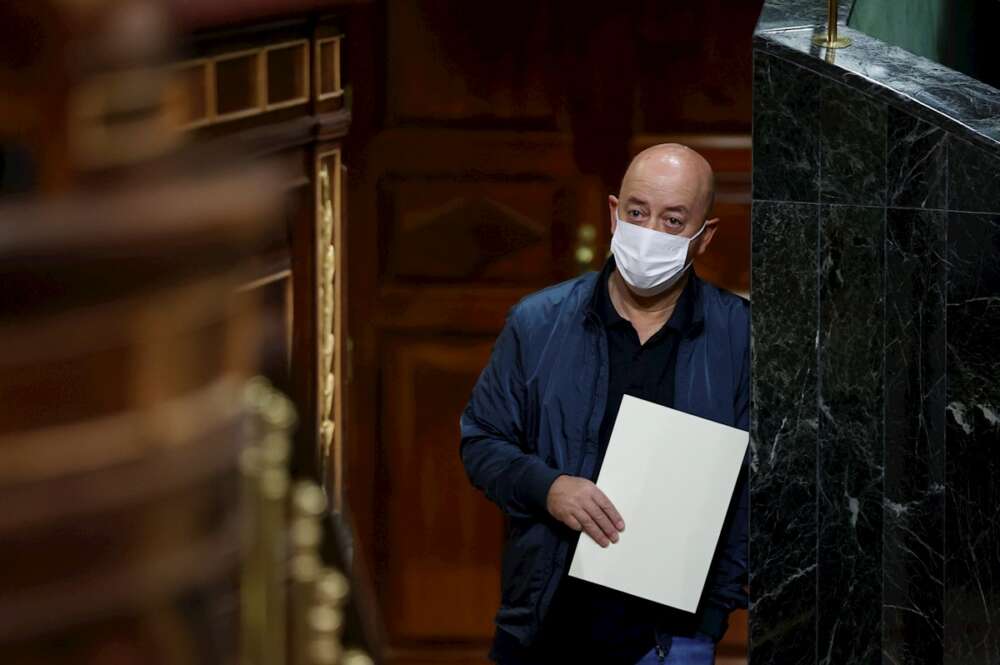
x: 831, y: 22
x: 831, y: 40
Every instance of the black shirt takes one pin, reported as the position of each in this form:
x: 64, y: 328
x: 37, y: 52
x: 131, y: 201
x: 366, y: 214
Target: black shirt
x: 587, y: 620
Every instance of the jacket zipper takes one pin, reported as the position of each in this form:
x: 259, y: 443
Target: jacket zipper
x: 660, y: 655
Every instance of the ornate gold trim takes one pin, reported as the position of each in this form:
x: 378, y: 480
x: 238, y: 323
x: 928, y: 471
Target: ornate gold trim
x: 329, y: 318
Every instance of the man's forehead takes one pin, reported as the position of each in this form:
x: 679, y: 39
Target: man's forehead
x: 657, y: 186
x: 668, y: 171
x: 667, y: 159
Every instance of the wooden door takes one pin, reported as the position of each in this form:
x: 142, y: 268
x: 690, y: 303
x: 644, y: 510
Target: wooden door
x: 449, y: 254
x: 467, y: 199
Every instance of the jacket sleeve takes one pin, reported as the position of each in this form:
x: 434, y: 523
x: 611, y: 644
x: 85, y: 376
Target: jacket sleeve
x: 493, y: 447
x: 725, y: 588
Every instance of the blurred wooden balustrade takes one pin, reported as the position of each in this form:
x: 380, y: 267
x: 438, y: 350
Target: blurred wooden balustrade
x: 150, y: 263
x: 122, y: 352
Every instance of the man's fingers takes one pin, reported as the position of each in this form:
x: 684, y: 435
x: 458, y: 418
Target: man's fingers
x: 573, y: 523
x: 609, y: 509
x: 597, y: 513
x: 591, y: 529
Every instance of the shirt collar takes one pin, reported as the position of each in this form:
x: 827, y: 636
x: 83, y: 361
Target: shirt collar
x: 687, y: 319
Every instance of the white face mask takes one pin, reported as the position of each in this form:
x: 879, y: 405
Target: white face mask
x: 650, y: 261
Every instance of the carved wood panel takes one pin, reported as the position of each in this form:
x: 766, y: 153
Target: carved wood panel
x: 454, y: 229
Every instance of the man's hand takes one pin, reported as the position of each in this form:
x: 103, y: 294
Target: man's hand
x: 577, y: 503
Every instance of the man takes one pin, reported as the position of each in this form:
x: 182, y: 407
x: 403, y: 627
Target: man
x: 538, y: 423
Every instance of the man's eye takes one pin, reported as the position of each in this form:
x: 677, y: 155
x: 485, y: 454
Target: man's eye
x: 635, y: 213
x: 673, y: 221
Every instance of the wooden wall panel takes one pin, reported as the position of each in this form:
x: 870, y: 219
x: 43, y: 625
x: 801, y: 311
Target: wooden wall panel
x: 470, y: 62
x: 451, y: 229
x: 442, y: 537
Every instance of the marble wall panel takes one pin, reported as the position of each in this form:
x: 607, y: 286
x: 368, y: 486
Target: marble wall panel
x: 958, y: 103
x: 916, y: 162
x: 783, y: 435
x: 900, y: 212
x: 972, y: 471
x: 850, y: 464
x: 913, y: 508
x: 973, y: 178
x: 785, y: 131
x: 852, y: 145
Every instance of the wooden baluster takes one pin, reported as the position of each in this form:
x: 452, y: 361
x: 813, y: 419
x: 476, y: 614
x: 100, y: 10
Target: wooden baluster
x: 308, y: 508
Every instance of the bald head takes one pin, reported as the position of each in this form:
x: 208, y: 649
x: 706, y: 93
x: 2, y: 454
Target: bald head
x: 675, y: 169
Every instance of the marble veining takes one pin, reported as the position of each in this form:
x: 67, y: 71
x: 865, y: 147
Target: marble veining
x: 785, y: 132
x: 783, y: 436
x: 914, y: 399
x: 875, y: 429
x: 916, y: 162
x: 972, y: 518
x: 850, y: 464
x: 852, y: 146
x: 784, y: 14
x: 957, y: 102
x: 974, y: 178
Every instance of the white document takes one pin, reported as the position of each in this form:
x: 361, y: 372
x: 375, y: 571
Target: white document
x: 671, y: 475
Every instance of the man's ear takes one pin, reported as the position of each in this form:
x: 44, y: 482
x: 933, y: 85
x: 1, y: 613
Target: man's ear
x: 711, y: 226
x: 613, y: 210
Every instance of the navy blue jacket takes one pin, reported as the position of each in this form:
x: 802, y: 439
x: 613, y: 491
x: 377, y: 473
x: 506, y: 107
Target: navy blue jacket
x: 535, y: 414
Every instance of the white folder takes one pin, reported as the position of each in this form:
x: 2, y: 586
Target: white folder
x: 671, y: 476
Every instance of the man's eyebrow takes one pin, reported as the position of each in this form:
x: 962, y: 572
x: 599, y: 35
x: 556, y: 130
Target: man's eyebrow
x: 636, y: 200
x: 678, y: 208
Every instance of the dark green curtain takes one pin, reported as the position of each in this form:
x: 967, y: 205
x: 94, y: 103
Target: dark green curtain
x: 960, y: 34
